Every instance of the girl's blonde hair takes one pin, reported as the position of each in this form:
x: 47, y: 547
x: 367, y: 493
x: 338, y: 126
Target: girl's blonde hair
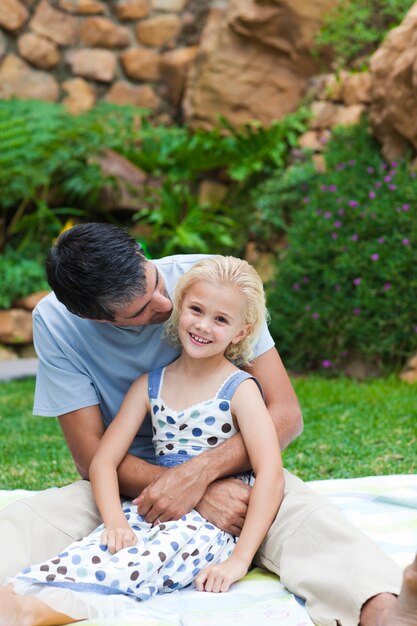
x: 226, y: 270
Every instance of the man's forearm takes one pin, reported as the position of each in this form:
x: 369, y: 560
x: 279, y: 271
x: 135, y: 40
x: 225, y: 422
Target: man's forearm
x: 135, y: 474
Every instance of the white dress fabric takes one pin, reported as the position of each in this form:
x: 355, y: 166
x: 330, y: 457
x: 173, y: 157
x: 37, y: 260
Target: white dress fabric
x: 167, y: 556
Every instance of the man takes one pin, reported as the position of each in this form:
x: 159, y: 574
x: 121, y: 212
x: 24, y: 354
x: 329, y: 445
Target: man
x: 98, y: 332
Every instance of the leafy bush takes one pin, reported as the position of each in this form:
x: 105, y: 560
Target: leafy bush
x: 347, y: 283
x: 20, y: 275
x: 355, y: 28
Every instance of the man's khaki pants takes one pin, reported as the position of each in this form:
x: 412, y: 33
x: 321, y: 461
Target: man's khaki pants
x: 316, y: 552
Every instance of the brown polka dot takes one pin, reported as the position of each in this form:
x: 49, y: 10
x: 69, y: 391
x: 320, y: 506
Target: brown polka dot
x: 130, y: 563
x: 72, y: 580
x: 162, y: 556
x: 56, y: 561
x: 62, y: 569
x: 161, y: 453
x: 162, y: 526
x: 212, y: 441
x: 196, y: 551
x: 168, y: 582
x: 134, y: 575
x: 44, y: 568
x: 185, y: 556
x: 183, y: 426
x: 96, y: 559
x: 170, y: 446
x: 50, y: 577
x: 191, y: 527
x: 146, y: 553
x: 226, y: 428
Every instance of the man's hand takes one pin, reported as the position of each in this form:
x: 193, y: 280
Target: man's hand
x: 173, y: 494
x: 225, y: 503
x: 118, y: 538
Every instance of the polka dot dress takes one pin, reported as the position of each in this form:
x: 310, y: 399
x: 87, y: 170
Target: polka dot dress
x: 167, y: 556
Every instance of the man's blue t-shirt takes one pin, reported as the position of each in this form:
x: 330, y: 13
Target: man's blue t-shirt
x: 84, y: 363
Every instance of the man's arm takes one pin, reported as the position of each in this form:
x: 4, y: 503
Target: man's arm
x: 83, y: 430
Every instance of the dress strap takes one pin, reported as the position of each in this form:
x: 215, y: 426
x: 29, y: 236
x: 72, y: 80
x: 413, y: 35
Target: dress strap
x: 232, y: 383
x: 154, y: 382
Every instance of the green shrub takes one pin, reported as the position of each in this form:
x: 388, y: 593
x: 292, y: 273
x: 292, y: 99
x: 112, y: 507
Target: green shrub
x: 20, y: 275
x: 355, y: 28
x: 347, y: 282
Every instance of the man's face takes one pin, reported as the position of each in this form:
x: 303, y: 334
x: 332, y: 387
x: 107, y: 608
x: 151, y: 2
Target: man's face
x: 154, y: 307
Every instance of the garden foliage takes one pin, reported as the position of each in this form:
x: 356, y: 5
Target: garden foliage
x: 354, y: 28
x: 346, y: 284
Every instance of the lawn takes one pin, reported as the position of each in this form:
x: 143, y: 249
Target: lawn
x: 351, y: 429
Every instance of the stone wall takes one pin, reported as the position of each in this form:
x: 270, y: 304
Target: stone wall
x: 78, y: 51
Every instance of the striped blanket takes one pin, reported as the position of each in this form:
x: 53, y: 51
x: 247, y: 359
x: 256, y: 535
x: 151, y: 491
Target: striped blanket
x: 384, y: 507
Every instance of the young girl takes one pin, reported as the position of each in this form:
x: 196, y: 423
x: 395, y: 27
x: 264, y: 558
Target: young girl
x: 196, y: 403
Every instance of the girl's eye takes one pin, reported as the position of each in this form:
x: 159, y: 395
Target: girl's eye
x: 195, y: 308
x: 222, y: 320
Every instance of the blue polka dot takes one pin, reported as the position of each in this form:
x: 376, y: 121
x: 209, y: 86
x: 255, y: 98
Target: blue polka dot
x: 210, y: 420
x: 156, y: 542
x: 196, y: 571
x: 63, y: 554
x: 169, y: 435
x: 175, y: 546
x: 182, y: 452
x: 100, y: 575
x: 197, y: 448
x: 103, y: 547
x: 170, y: 420
x: 76, y: 559
x: 26, y: 570
x: 209, y: 557
x: 133, y: 550
x: 182, y: 568
x: 155, y: 408
x: 210, y: 526
x: 197, y: 432
x: 115, y: 584
x: 205, y: 537
x: 224, y: 406
x: 196, y: 561
x: 168, y: 565
x: 115, y: 559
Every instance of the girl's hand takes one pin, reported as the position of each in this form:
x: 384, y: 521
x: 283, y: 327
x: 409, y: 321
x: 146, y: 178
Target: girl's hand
x: 118, y: 538
x: 218, y: 578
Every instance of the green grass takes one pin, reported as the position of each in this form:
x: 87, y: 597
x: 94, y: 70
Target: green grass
x: 351, y: 429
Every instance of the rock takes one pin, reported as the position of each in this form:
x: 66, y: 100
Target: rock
x: 38, y: 51
x: 132, y: 9
x: 6, y: 354
x: 357, y: 89
x: 360, y: 367
x: 128, y: 194
x: 211, y: 192
x: 319, y: 163
x: 347, y: 116
x: 141, y: 64
x: 409, y: 374
x: 93, y: 63
x: 124, y: 93
x: 2, y: 46
x: 329, y: 86
x: 254, y: 61
x: 13, y: 14
x: 102, y: 32
x: 30, y: 302
x: 174, y: 66
x: 158, y: 30
x: 18, y: 79
x: 310, y: 140
x: 56, y: 25
x: 394, y: 88
x: 174, y: 6
x: 15, y: 326
x: 82, y: 7
x: 263, y: 262
x: 81, y: 96
x: 324, y: 114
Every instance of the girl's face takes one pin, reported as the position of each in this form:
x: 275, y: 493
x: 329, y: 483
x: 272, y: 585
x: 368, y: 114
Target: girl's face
x: 210, y: 319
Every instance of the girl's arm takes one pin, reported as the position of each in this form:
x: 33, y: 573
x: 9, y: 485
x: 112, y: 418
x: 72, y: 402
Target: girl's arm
x: 103, y: 469
x: 262, y: 444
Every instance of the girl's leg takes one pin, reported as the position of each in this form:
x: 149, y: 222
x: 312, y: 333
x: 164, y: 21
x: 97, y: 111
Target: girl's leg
x: 16, y: 610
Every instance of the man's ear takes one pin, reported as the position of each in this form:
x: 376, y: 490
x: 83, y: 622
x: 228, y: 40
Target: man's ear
x: 243, y: 332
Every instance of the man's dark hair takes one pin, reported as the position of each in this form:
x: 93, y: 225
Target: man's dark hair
x: 95, y: 269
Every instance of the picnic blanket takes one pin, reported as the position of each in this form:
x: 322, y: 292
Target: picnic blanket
x: 384, y: 507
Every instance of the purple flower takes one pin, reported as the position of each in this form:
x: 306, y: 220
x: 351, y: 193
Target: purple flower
x: 339, y: 166
x: 352, y: 162
x: 355, y: 237
x: 356, y: 311
x: 306, y: 200
x: 370, y: 170
x: 327, y: 215
x: 341, y: 212
x: 406, y: 207
x: 296, y: 286
x: 394, y: 164
x: 377, y: 184
x: 392, y: 187
x: 375, y: 257
x: 353, y: 203
x: 357, y: 281
x: 405, y: 242
x: 387, y: 179
x: 323, y: 187
x: 384, y: 166
x: 387, y: 286
x: 338, y: 224
x: 306, y: 280
x: 326, y: 363
x: 415, y: 329
x: 372, y: 195
x: 332, y: 188
x: 315, y: 316
x: 381, y: 240
x: 334, y: 235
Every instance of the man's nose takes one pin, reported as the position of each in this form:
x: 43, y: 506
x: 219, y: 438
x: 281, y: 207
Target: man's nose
x: 162, y: 303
